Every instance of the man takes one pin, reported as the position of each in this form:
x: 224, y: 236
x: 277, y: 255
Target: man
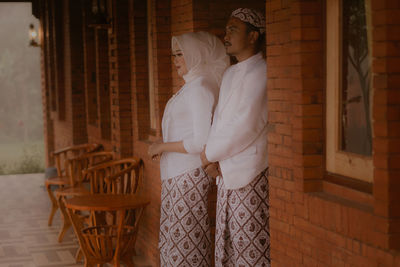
x: 238, y: 142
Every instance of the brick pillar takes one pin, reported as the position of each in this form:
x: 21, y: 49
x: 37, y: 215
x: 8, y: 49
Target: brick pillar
x: 58, y: 19
x: 140, y: 67
x: 77, y: 79
x: 162, y: 57
x: 120, y: 81
x: 48, y: 125
x: 307, y: 83
x: 103, y: 83
x: 89, y: 48
x: 386, y: 120
x: 280, y: 118
x: 295, y: 113
x: 50, y: 55
x: 201, y: 15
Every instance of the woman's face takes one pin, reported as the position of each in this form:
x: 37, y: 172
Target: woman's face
x: 179, y: 61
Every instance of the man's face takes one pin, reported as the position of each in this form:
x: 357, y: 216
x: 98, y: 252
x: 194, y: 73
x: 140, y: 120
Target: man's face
x: 236, y: 37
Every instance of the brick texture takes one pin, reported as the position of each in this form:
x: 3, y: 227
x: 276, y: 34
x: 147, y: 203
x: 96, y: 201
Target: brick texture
x: 310, y: 227
x: 102, y: 89
x: 47, y: 121
x: 119, y: 54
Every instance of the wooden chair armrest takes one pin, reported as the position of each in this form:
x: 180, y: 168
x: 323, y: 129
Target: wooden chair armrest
x: 110, y: 163
x: 118, y: 174
x: 77, y: 147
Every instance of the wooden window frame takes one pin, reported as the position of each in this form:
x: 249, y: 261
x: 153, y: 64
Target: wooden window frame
x: 338, y: 162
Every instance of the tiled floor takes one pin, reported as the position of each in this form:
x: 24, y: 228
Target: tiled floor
x: 25, y: 238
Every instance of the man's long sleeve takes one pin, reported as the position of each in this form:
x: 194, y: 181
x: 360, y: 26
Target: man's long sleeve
x: 248, y: 121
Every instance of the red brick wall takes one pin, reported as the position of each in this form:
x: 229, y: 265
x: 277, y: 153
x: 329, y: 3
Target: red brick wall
x: 49, y: 46
x: 310, y: 226
x: 96, y: 84
x: 139, y: 66
x: 147, y: 243
x: 386, y: 116
x: 96, y: 77
x: 58, y: 20
x: 71, y: 129
x: 181, y: 22
x: 119, y: 54
x: 63, y: 128
x: 64, y: 87
x: 77, y: 73
x: 47, y: 121
x: 103, y: 85
x: 89, y: 46
x: 182, y: 16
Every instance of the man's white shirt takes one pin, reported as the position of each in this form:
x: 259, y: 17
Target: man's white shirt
x: 238, y: 136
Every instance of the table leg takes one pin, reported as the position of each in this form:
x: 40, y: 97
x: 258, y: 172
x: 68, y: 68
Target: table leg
x: 54, y: 205
x: 66, y: 220
x: 77, y: 224
x: 78, y: 255
x: 121, y: 219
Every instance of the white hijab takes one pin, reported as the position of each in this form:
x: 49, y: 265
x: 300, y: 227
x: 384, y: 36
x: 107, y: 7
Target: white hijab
x: 204, y: 55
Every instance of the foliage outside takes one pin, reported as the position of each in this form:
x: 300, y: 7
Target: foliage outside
x: 22, y: 158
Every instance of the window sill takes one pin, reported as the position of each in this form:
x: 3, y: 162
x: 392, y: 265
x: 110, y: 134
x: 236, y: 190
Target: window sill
x: 351, y: 191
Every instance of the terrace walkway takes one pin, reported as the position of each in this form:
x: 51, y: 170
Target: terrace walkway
x: 25, y: 238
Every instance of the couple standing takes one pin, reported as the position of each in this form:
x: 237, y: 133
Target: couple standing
x: 231, y: 144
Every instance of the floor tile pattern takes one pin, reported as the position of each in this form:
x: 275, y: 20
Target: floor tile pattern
x: 25, y: 238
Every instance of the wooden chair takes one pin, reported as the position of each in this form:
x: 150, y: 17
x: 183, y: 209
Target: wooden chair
x: 78, y: 182
x: 61, y: 157
x: 121, y: 176
x: 108, y: 238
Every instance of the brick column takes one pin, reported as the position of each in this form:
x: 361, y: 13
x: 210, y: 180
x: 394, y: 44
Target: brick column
x: 89, y: 48
x: 307, y: 96
x: 103, y: 83
x: 296, y: 131
x: 48, y: 125
x: 386, y: 120
x: 59, y: 56
x: 162, y: 58
x: 140, y: 69
x: 121, y: 112
x: 77, y: 79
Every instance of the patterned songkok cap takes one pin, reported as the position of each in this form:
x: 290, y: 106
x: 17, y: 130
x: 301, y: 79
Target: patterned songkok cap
x: 251, y: 16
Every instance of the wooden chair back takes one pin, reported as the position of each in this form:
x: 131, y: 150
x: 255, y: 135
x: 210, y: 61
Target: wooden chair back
x: 121, y: 176
x: 79, y: 164
x: 61, y: 156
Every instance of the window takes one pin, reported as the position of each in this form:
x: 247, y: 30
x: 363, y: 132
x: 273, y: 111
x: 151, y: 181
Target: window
x: 348, y: 86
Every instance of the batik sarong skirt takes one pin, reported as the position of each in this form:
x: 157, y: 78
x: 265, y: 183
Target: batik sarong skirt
x: 184, y: 222
x: 242, y: 224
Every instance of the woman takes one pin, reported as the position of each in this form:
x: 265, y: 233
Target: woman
x: 200, y: 59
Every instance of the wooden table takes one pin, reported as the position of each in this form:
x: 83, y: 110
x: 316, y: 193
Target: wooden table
x: 99, y: 247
